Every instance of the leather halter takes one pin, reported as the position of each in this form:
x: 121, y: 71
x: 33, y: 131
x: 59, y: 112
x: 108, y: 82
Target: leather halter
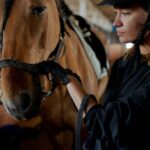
x: 33, y: 69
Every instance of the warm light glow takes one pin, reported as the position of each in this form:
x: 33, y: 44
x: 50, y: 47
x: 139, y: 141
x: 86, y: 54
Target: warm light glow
x: 129, y: 45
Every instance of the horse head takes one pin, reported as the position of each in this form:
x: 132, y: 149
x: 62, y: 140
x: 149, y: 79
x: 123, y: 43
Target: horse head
x: 30, y: 32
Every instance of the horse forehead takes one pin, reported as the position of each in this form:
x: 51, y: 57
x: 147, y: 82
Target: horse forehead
x: 24, y: 3
x: 38, y: 2
x: 22, y: 6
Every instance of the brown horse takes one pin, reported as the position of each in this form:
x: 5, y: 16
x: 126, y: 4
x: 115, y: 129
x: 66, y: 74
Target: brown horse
x: 34, y: 31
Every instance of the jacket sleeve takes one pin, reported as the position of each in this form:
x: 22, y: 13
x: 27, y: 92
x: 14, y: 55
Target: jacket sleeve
x: 120, y: 117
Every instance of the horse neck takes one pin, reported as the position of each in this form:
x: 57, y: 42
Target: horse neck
x: 76, y: 59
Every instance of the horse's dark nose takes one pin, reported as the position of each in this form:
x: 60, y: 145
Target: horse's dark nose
x: 25, y: 102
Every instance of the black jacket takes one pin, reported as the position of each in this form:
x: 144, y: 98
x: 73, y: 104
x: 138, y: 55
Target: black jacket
x: 122, y: 122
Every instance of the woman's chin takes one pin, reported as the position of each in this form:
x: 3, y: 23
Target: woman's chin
x: 122, y: 40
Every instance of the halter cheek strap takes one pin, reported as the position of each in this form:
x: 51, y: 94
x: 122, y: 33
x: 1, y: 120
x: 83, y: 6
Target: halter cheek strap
x: 1, y: 40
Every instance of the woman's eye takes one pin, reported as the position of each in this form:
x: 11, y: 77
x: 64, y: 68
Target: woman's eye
x: 125, y: 13
x: 38, y: 10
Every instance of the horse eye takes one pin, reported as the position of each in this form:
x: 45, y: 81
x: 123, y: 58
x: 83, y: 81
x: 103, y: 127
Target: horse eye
x: 38, y: 10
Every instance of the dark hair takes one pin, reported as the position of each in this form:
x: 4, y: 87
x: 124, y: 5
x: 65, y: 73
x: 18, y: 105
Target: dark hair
x: 143, y: 5
x: 127, y: 3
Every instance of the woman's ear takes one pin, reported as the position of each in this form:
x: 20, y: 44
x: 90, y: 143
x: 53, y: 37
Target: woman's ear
x: 147, y: 38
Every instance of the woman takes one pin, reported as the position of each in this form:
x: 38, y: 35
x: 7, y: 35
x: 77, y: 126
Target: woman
x: 122, y: 121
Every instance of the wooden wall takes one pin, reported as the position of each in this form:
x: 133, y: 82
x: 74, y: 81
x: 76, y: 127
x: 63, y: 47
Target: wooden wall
x: 90, y: 11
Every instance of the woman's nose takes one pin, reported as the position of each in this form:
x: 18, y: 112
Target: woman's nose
x: 117, y: 22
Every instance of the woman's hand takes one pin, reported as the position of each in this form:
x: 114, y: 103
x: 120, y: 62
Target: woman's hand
x: 55, y: 70
x: 70, y: 79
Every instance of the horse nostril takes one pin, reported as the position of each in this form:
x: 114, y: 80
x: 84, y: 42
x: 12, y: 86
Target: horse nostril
x: 25, y: 101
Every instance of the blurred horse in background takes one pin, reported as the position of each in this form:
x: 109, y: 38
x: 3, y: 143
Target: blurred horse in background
x: 33, y: 31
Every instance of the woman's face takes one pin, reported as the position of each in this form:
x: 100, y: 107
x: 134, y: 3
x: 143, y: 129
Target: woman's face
x: 129, y: 23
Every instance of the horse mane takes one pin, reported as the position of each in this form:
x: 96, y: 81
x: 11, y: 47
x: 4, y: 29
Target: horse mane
x: 92, y: 40
x: 64, y: 9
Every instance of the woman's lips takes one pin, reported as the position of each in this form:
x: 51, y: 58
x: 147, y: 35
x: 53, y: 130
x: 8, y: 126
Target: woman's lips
x: 120, y: 33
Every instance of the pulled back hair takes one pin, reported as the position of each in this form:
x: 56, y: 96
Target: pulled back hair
x: 127, y: 3
x: 145, y: 4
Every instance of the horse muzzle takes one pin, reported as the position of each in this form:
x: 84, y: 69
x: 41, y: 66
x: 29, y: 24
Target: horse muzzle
x: 22, y: 107
x: 22, y: 100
